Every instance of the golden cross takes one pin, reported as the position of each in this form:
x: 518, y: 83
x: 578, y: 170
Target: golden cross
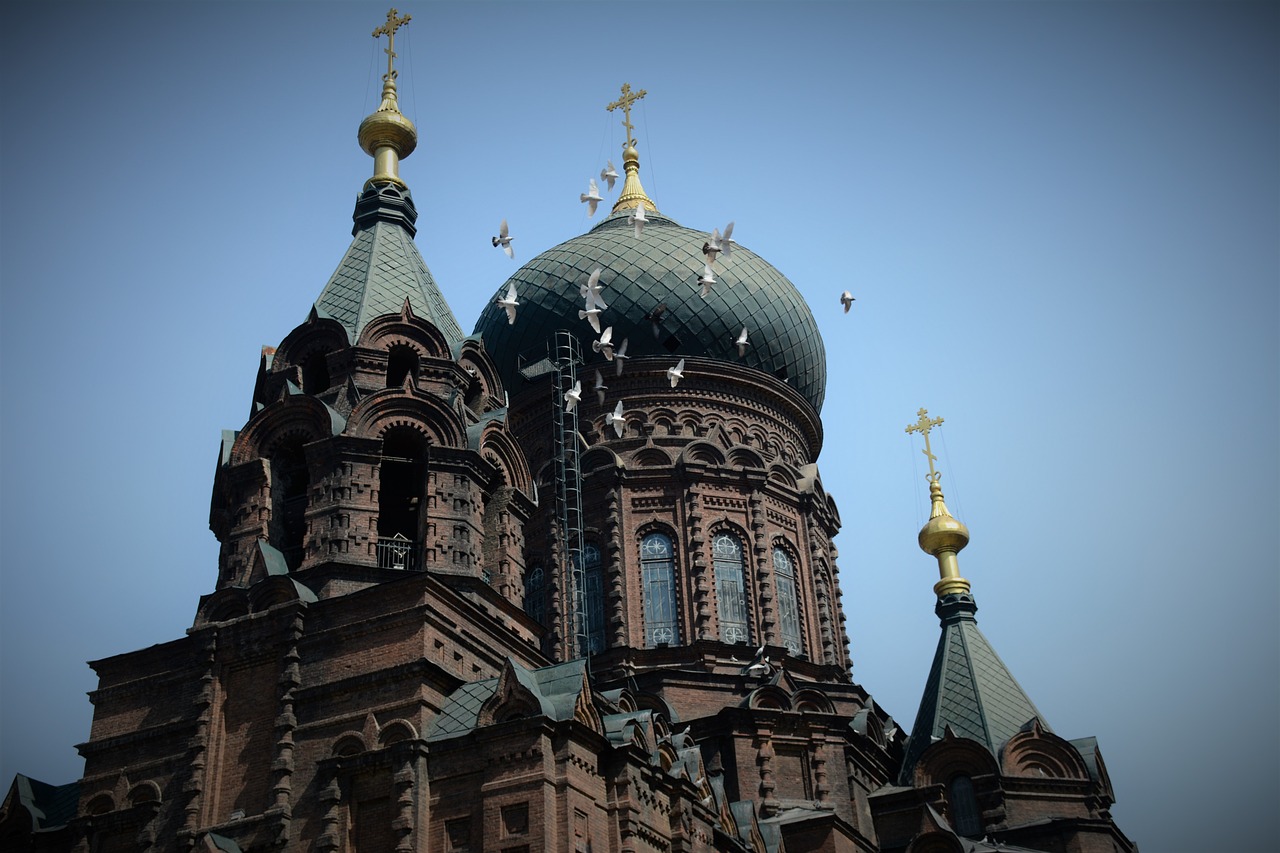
x: 628, y: 98
x: 923, y: 426
x: 389, y: 30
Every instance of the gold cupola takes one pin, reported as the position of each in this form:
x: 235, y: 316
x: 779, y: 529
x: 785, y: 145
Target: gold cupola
x: 386, y: 134
x: 943, y: 536
x: 632, y: 192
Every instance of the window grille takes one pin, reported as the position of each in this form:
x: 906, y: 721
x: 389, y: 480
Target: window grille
x: 594, y: 573
x: 658, y: 573
x: 731, y: 594
x: 788, y: 606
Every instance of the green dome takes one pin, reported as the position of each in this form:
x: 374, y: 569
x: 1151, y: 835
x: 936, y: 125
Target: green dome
x: 662, y: 267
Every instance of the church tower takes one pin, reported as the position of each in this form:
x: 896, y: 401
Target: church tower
x: 981, y: 762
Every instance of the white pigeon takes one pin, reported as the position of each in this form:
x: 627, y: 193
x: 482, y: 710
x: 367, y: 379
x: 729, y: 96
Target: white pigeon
x: 637, y: 219
x: 591, y: 197
x: 600, y: 388
x: 509, y: 302
x: 605, y: 344
x: 726, y: 244
x: 760, y: 669
x: 615, y: 419
x: 742, y: 342
x: 592, y: 315
x: 591, y: 290
x: 572, y: 396
x: 608, y: 175
x: 675, y: 374
x: 655, y: 317
x: 708, y: 279
x: 711, y: 247
x: 621, y: 355
x: 846, y: 299
x: 504, y: 240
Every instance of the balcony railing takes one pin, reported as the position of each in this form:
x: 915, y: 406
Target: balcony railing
x: 397, y: 552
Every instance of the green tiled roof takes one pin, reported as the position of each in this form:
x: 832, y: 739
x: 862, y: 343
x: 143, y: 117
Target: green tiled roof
x: 969, y: 689
x: 555, y: 687
x: 382, y: 268
x: 50, y: 806
x: 661, y: 267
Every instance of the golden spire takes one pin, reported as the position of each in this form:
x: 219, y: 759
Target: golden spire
x: 942, y: 535
x: 632, y: 193
x: 385, y: 134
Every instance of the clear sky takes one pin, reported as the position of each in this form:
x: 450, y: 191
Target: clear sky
x: 1060, y: 221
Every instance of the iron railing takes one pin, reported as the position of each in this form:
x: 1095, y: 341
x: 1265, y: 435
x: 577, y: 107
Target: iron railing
x: 397, y: 552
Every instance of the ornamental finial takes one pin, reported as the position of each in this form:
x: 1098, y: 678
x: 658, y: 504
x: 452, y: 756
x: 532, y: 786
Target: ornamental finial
x: 632, y: 193
x: 942, y: 536
x: 385, y: 134
x: 923, y: 426
x: 389, y: 30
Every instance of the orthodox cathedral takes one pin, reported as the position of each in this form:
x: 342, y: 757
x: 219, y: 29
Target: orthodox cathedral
x: 566, y: 583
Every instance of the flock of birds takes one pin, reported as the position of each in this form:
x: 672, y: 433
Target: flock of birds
x: 593, y: 302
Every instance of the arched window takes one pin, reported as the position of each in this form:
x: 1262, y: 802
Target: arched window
x: 401, y: 492
x: 731, y: 593
x: 289, y: 483
x: 784, y: 571
x: 402, y: 361
x: 594, y: 573
x: 535, y: 594
x: 965, y: 816
x: 315, y: 373
x: 658, y: 575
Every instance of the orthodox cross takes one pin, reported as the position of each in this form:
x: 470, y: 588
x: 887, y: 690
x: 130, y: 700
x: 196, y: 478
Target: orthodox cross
x: 923, y: 426
x: 628, y: 98
x: 389, y: 30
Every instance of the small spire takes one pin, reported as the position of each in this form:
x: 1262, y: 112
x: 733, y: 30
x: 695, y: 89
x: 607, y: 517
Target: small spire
x: 385, y: 134
x: 942, y: 536
x: 632, y: 192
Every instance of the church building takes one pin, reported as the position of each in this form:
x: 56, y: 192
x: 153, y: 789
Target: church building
x: 565, y: 583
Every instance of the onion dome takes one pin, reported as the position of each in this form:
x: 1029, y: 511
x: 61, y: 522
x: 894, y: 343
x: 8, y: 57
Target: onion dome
x: 650, y: 284
x: 943, y: 537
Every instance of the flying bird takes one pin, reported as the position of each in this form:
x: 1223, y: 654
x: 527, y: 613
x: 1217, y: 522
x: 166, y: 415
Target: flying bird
x: 608, y: 175
x: 675, y: 374
x: 605, y: 344
x: 711, y: 247
x: 591, y: 290
x: 759, y: 665
x: 615, y: 419
x: 591, y: 197
x: 846, y: 299
x: 504, y: 240
x: 572, y: 396
x: 708, y: 279
x: 655, y: 317
x: 637, y: 219
x: 591, y: 314
x: 726, y: 244
x: 760, y: 669
x: 600, y: 388
x: 509, y: 302
x: 621, y: 355
x: 742, y: 342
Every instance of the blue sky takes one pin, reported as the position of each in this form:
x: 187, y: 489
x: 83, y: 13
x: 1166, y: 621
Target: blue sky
x: 1060, y: 221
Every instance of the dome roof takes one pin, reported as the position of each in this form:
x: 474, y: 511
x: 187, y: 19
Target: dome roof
x: 660, y: 268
